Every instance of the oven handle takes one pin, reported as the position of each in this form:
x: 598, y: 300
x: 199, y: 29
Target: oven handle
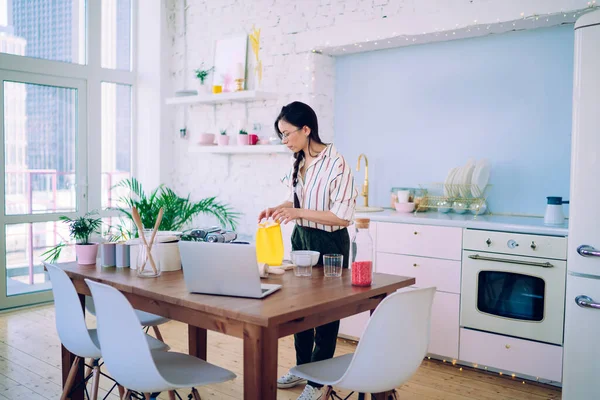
x: 504, y: 260
x: 585, y: 301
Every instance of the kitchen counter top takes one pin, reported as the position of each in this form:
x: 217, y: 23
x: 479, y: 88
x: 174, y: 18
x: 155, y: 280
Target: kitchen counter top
x: 533, y: 225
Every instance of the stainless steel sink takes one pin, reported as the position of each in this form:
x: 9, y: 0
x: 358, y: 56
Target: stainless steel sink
x: 363, y: 209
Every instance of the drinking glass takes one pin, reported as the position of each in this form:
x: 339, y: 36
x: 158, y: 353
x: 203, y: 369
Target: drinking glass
x: 332, y: 265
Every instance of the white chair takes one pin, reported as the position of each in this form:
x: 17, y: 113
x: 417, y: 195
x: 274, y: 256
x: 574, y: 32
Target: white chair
x: 132, y: 363
x: 146, y: 319
x: 74, y: 333
x: 389, y: 352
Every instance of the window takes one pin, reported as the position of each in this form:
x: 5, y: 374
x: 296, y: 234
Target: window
x: 116, y: 141
x: 25, y: 28
x: 66, y: 121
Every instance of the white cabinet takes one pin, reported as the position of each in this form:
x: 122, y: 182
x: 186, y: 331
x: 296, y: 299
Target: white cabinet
x: 432, y: 255
x: 526, y: 357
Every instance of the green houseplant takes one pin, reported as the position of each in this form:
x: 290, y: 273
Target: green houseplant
x: 223, y: 139
x: 202, y: 74
x: 178, y: 211
x: 80, y: 229
x: 243, y: 138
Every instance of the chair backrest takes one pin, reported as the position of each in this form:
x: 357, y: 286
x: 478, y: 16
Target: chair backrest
x: 70, y: 319
x: 124, y: 345
x: 393, y: 343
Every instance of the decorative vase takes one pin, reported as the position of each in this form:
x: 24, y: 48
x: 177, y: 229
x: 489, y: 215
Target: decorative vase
x: 86, y: 253
x: 108, y: 254
x: 243, y: 140
x: 204, y: 88
x: 223, y: 140
x: 122, y: 255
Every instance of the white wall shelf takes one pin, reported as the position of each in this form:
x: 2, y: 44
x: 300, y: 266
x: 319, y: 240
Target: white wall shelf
x: 246, y: 149
x: 244, y: 96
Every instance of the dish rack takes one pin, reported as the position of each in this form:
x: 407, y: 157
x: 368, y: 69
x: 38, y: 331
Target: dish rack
x: 457, y: 198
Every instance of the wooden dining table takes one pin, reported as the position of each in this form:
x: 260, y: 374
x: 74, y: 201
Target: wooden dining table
x: 302, y: 303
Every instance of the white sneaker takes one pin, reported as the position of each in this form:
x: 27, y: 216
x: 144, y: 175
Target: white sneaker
x: 289, y: 381
x: 310, y: 393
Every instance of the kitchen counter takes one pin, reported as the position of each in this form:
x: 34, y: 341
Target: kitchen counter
x: 533, y: 225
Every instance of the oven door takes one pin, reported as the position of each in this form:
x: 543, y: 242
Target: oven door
x: 516, y: 296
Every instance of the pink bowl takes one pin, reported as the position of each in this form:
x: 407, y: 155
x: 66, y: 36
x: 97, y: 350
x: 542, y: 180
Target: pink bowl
x: 405, y: 207
x: 207, y: 138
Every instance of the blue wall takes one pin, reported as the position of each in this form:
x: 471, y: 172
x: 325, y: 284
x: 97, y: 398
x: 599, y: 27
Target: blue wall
x: 418, y: 111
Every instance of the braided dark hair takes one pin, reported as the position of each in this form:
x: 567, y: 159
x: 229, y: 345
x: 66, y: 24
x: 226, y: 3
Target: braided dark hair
x: 299, y: 115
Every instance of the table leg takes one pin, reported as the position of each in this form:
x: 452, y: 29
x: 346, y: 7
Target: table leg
x: 260, y: 363
x: 67, y: 360
x: 197, y: 339
x: 382, y: 396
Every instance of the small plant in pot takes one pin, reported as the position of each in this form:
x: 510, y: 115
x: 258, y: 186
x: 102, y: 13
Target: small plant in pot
x: 223, y: 139
x: 202, y: 74
x: 243, y: 138
x: 80, y: 229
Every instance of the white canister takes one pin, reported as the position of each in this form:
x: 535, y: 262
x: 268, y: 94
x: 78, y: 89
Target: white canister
x: 403, y: 196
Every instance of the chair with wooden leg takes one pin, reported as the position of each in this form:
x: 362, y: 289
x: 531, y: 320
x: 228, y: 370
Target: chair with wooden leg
x: 395, y: 341
x: 132, y: 363
x: 74, y: 333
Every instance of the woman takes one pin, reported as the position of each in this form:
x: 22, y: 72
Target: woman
x: 321, y: 201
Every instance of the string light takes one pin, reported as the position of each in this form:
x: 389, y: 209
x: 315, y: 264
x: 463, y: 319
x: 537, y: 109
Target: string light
x: 460, y: 369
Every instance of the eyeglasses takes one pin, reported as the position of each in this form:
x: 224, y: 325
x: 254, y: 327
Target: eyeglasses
x: 284, y: 135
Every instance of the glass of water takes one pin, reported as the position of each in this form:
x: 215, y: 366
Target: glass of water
x: 332, y: 265
x: 302, y: 265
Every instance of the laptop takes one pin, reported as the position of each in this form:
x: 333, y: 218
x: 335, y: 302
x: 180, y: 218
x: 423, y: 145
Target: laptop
x: 227, y: 269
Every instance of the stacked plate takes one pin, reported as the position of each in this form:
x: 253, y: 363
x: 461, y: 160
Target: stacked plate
x: 468, y: 180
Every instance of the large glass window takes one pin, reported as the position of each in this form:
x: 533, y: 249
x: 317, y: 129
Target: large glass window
x: 47, y: 29
x: 116, y: 34
x: 116, y: 141
x: 40, y: 126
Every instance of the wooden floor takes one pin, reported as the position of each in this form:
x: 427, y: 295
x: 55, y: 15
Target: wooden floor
x: 30, y: 366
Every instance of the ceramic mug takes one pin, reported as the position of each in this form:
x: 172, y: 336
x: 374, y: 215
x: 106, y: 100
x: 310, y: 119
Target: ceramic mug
x: 403, y: 196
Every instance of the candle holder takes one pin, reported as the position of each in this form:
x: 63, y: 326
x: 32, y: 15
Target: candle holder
x: 240, y: 85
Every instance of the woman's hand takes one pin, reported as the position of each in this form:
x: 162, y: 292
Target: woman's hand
x: 287, y: 214
x: 265, y: 214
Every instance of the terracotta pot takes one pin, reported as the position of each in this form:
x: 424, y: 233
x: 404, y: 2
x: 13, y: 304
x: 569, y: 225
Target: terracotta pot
x: 223, y: 140
x: 243, y: 140
x: 86, y: 253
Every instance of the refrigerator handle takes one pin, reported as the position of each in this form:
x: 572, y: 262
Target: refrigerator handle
x: 588, y: 251
x: 586, y: 302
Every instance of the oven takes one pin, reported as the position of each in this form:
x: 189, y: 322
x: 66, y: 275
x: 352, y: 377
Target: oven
x: 514, y: 284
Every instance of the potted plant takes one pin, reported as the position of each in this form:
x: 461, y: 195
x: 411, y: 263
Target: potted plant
x: 201, y: 74
x: 177, y: 213
x: 223, y: 139
x: 243, y: 138
x: 80, y: 229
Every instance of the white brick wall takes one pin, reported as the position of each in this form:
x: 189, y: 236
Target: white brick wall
x: 289, y: 29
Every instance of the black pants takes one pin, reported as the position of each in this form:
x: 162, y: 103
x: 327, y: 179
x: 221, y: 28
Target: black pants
x: 323, y: 338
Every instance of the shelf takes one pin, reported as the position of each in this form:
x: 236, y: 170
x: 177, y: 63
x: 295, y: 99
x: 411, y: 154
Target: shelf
x: 240, y: 97
x: 247, y: 149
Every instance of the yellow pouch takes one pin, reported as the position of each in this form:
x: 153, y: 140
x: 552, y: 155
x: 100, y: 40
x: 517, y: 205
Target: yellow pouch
x: 269, y: 243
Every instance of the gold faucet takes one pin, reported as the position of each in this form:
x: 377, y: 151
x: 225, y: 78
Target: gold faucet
x: 365, y: 188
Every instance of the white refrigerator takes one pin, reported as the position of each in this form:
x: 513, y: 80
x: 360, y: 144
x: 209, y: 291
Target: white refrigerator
x: 581, y: 366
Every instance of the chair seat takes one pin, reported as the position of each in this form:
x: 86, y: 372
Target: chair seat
x: 153, y: 343
x: 184, y: 371
x: 148, y: 319
x: 326, y: 372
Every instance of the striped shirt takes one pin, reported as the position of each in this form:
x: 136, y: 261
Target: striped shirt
x: 328, y: 185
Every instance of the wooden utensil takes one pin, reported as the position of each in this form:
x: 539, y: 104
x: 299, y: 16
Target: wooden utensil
x: 140, y: 226
x: 156, y: 225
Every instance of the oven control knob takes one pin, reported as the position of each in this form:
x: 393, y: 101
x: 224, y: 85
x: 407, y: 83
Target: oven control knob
x: 512, y: 244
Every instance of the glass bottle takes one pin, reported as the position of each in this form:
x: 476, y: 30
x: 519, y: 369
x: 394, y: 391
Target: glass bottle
x: 144, y: 266
x: 361, y: 254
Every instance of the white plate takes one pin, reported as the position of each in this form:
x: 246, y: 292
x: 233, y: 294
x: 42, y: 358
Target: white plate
x: 456, y: 180
x: 481, y: 176
x: 465, y: 189
x: 448, y: 181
